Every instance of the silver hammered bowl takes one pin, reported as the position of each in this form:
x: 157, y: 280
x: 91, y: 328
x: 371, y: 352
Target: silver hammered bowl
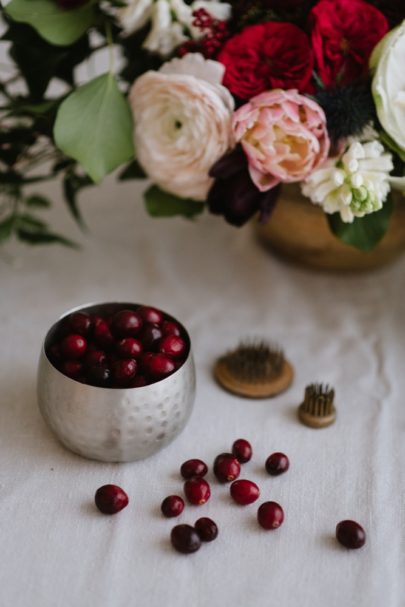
x: 114, y: 424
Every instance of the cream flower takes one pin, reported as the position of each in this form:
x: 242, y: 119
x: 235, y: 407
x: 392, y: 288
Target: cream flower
x: 182, y: 124
x: 389, y: 85
x: 171, y: 21
x: 355, y: 184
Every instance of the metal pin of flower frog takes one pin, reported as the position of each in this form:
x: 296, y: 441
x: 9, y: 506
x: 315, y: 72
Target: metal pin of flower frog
x: 318, y: 409
x: 255, y: 369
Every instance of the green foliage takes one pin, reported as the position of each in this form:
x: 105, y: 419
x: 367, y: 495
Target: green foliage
x: 72, y: 185
x: 29, y: 228
x: 57, y: 26
x: 162, y: 204
x: 365, y: 232
x: 38, y: 202
x: 94, y: 126
x: 6, y: 228
x: 132, y: 171
x: 39, y: 61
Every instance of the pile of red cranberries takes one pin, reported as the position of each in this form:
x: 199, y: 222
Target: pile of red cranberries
x: 226, y: 469
x: 186, y: 538
x: 131, y: 348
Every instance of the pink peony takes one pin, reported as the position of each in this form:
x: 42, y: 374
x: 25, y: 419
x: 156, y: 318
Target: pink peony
x: 283, y: 135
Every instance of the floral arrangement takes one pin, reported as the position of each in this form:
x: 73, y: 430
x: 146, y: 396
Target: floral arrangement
x: 217, y: 103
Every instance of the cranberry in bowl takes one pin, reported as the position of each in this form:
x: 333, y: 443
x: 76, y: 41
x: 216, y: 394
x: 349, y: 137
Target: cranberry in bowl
x: 107, y: 390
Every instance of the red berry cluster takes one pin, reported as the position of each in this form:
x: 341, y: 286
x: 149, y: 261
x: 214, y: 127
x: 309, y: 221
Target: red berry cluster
x: 214, y: 31
x: 128, y: 349
x: 227, y: 467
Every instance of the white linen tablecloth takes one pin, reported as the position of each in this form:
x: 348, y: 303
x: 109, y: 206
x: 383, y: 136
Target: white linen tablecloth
x: 58, y: 551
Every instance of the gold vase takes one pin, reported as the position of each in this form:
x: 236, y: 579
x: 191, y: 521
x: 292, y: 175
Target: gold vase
x: 298, y: 231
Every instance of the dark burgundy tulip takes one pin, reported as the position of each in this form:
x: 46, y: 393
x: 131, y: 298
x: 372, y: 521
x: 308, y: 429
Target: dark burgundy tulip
x: 236, y: 198
x: 233, y: 194
x: 229, y: 165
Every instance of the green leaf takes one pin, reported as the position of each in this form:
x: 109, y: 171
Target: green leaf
x: 365, y: 232
x: 57, y: 26
x: 34, y: 231
x: 6, y: 228
x: 72, y: 184
x: 44, y: 237
x: 37, y: 201
x: 94, y: 126
x: 39, y: 61
x: 162, y: 204
x: 29, y: 222
x: 132, y: 171
x: 36, y: 109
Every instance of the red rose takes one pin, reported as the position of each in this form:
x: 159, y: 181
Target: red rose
x: 344, y: 32
x: 267, y: 56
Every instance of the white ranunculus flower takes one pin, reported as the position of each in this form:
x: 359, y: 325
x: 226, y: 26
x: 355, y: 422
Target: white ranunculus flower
x: 389, y: 85
x: 171, y: 20
x: 182, y: 124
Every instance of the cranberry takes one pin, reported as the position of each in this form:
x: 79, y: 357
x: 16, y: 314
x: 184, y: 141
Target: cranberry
x: 102, y: 333
x: 144, y: 360
x: 226, y: 467
x: 172, y: 345
x: 193, y: 467
x: 151, y: 315
x: 172, y: 506
x: 242, y: 450
x: 270, y: 515
x: 277, y: 463
x: 95, y: 357
x: 99, y: 375
x: 244, y: 492
x: 197, y: 491
x: 185, y: 539
x: 170, y: 328
x: 151, y: 336
x: 80, y: 323
x: 350, y: 534
x: 138, y: 382
x: 110, y: 499
x: 123, y: 371
x: 73, y: 346
x: 206, y: 529
x: 158, y: 366
x: 129, y: 347
x: 126, y: 323
x: 54, y: 353
x: 72, y: 368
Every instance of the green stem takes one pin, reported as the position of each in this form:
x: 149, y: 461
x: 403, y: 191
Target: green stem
x: 108, y: 34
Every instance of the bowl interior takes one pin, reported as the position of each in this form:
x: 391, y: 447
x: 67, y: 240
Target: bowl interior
x: 56, y: 331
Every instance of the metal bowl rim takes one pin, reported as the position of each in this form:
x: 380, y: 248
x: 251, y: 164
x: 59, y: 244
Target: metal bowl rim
x: 84, y: 307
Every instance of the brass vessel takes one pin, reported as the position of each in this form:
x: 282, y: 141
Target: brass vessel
x: 298, y: 231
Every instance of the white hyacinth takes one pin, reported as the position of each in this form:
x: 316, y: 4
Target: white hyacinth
x: 171, y: 21
x: 355, y: 184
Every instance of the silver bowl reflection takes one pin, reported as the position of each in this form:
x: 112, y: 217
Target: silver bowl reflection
x: 114, y: 424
